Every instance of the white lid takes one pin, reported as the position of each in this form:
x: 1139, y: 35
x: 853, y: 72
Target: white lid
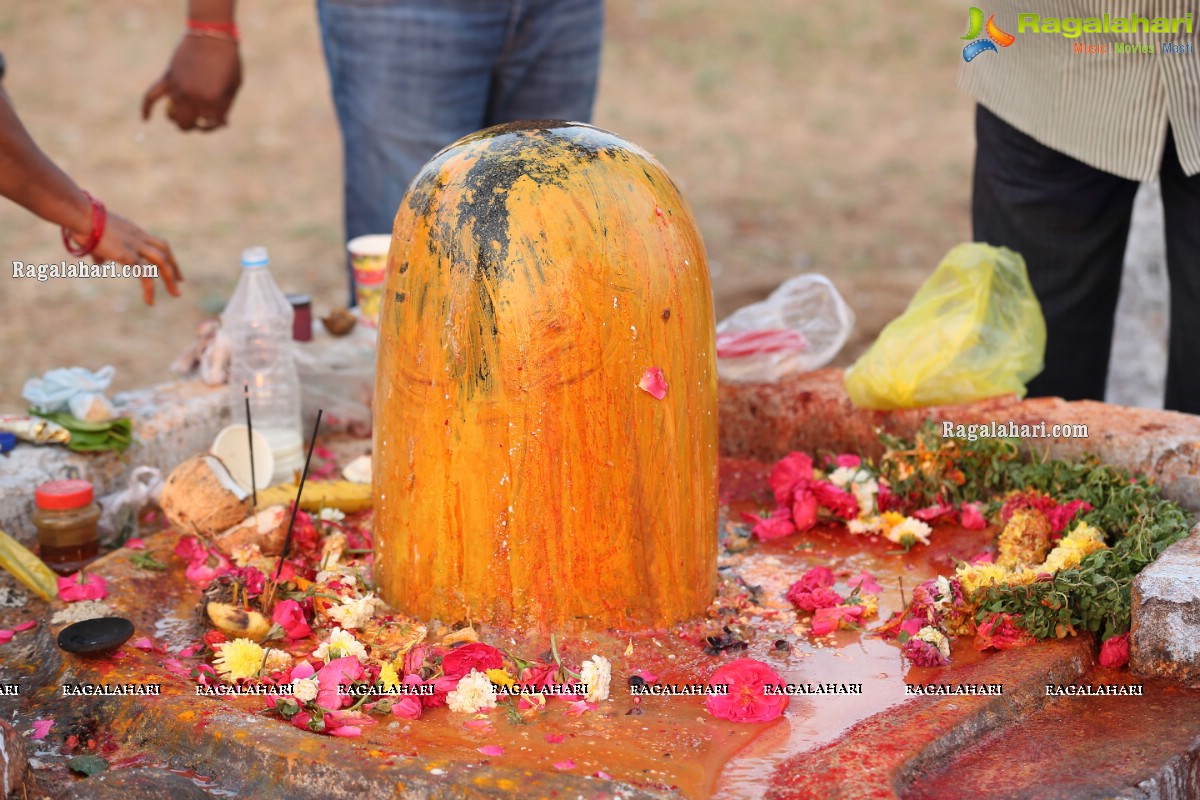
x: 233, y: 448
x: 253, y: 257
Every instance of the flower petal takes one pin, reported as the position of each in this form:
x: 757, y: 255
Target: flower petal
x: 653, y: 383
x: 41, y: 727
x: 568, y: 764
x: 491, y: 750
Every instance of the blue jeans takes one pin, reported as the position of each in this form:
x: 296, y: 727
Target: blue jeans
x: 411, y: 76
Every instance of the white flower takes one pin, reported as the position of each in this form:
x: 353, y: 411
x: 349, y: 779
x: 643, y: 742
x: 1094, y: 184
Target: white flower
x: 340, y: 643
x: 596, y: 673
x: 945, y: 595
x: 330, y: 515
x: 872, y: 524
x: 864, y: 492
x: 474, y: 693
x: 842, y: 476
x: 354, y: 612
x: 937, y: 639
x: 276, y: 660
x: 909, y: 531
x: 305, y: 689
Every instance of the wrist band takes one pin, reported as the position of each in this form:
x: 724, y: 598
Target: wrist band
x: 216, y: 30
x: 99, y: 221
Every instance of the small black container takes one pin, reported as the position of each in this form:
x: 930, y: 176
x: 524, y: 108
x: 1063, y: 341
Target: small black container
x: 95, y: 637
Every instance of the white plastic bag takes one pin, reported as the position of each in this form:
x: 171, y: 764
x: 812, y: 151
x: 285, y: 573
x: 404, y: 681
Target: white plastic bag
x: 75, y: 390
x: 119, y: 510
x: 799, y: 328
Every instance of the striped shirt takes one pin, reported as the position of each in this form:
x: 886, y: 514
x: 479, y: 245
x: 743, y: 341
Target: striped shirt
x: 1103, y: 98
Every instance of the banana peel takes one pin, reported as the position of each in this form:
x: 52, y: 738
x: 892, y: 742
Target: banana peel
x: 345, y: 496
x: 30, y: 570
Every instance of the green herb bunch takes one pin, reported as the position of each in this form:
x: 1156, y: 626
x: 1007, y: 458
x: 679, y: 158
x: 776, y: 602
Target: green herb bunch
x: 1138, y: 523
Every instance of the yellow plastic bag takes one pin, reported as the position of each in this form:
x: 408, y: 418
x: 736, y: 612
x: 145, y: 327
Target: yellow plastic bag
x: 973, y: 330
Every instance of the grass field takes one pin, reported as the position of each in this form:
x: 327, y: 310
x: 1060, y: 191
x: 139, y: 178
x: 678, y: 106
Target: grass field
x: 809, y: 136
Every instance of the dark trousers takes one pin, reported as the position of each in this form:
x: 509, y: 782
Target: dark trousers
x: 1070, y: 221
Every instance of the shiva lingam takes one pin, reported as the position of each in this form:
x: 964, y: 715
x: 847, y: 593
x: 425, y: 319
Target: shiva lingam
x: 546, y: 398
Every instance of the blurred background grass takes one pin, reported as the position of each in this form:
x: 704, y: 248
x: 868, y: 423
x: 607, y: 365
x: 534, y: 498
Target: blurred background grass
x: 823, y: 137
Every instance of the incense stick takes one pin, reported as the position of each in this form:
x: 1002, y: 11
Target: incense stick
x: 287, y: 540
x: 250, y: 444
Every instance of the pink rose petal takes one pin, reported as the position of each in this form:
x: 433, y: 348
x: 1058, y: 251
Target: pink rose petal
x: 24, y: 626
x: 578, y: 707
x: 142, y: 643
x: 491, y: 750
x: 190, y: 650
x: 865, y: 582
x: 602, y: 775
x: 568, y: 764
x: 5, y: 636
x: 554, y: 738
x: 135, y: 544
x: 479, y: 725
x: 41, y: 727
x: 175, y: 667
x: 653, y: 383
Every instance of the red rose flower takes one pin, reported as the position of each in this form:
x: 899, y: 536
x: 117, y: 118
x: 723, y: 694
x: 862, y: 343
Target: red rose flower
x: 972, y: 516
x: 829, y: 619
x: 473, y: 656
x: 776, y: 526
x: 290, y: 616
x: 932, y: 513
x: 1114, y: 652
x: 839, y: 502
x: 746, y: 700
x: 339, y: 672
x: 923, y: 654
x: 816, y: 599
x: 81, y: 587
x: 1001, y: 632
x: 792, y: 470
x: 804, y: 507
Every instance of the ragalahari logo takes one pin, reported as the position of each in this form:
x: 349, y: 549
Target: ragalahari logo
x: 976, y: 26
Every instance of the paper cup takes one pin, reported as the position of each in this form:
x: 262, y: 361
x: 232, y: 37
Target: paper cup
x: 368, y: 260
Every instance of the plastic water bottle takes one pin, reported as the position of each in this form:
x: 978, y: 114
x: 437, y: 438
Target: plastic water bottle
x: 258, y: 322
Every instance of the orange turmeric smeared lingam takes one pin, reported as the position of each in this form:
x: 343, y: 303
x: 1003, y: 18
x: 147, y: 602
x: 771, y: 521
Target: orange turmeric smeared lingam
x: 545, y: 407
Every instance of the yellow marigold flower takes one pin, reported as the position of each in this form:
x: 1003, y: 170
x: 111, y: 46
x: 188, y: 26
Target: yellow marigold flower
x: 980, y: 576
x: 389, y: 677
x: 501, y: 677
x: 1073, y: 548
x: 238, y: 659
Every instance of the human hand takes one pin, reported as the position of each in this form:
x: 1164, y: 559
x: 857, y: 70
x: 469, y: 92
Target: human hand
x: 200, y: 83
x: 126, y: 243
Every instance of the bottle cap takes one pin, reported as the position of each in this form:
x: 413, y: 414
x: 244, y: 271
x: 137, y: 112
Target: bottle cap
x: 8, y: 441
x: 63, y: 495
x: 253, y: 257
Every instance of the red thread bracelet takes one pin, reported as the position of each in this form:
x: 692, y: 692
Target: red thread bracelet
x: 99, y: 221
x: 228, y: 28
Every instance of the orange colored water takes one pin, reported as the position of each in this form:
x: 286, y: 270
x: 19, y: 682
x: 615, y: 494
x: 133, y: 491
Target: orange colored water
x: 660, y: 742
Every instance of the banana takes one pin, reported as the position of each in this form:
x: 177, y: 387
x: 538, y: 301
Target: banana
x: 238, y: 622
x: 342, y: 495
x: 27, y: 568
